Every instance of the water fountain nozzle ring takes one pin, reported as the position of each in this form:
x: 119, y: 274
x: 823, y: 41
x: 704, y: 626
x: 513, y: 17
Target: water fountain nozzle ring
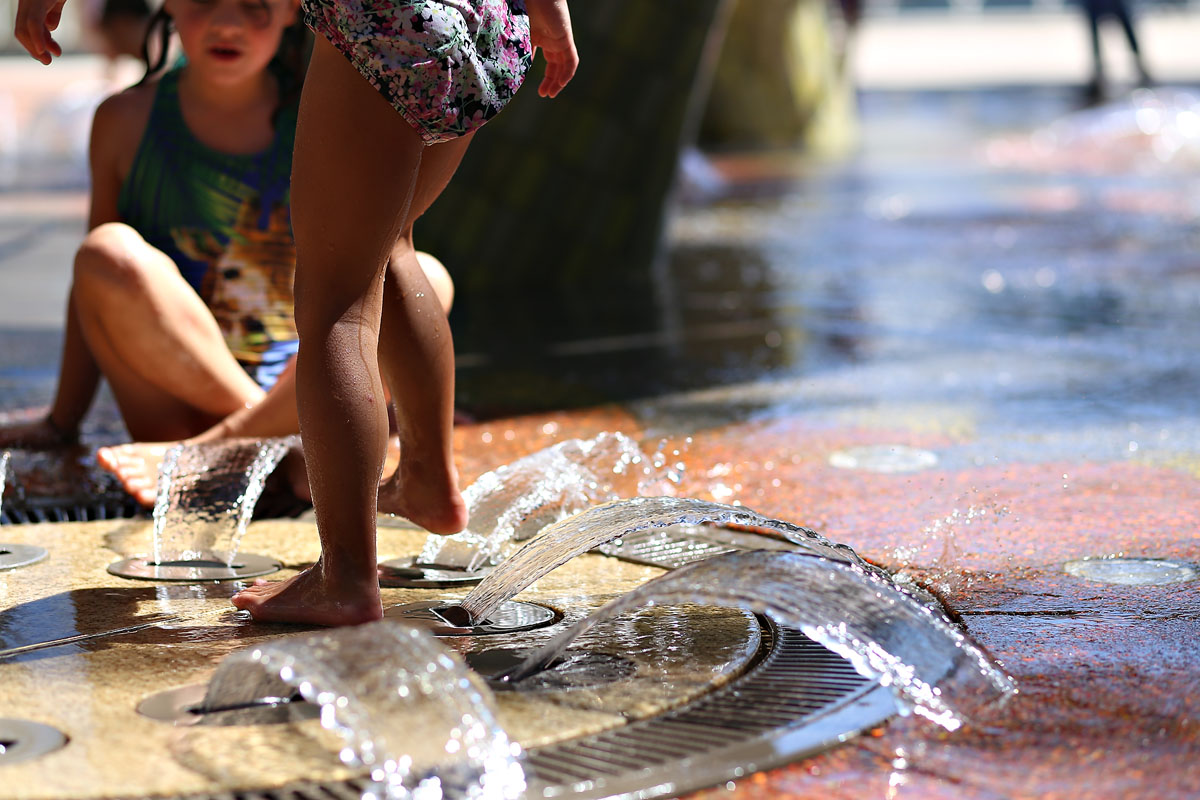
x: 207, y: 568
x: 407, y: 572
x: 455, y: 615
x: 184, y: 706
x: 13, y: 556
x: 26, y: 740
x: 450, y: 619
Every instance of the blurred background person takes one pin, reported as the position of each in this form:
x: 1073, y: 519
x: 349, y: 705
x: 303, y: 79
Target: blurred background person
x: 116, y: 28
x: 1095, y: 12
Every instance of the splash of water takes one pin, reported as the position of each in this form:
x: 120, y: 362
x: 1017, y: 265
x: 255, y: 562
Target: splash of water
x: 574, y: 536
x: 406, y: 708
x: 859, y: 614
x: 512, y: 503
x: 935, y: 553
x: 4, y: 457
x: 206, y: 496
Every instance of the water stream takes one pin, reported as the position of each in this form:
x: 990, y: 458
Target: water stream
x: 933, y: 668
x: 4, y: 457
x: 512, y: 503
x: 562, y: 541
x: 406, y: 709
x: 206, y: 496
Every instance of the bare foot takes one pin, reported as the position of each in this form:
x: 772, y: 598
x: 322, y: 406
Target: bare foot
x: 36, y: 434
x: 136, y: 467
x: 312, y: 598
x: 425, y: 498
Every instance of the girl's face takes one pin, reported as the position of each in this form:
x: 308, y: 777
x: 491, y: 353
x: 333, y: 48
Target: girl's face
x: 229, y: 40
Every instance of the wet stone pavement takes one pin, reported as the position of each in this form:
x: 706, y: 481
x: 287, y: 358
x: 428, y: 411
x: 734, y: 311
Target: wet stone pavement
x: 1008, y: 284
x: 969, y: 352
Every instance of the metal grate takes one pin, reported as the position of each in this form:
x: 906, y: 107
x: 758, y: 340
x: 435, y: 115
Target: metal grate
x: 798, y: 700
x: 731, y: 732
x: 59, y: 510
x: 656, y: 550
x: 671, y: 548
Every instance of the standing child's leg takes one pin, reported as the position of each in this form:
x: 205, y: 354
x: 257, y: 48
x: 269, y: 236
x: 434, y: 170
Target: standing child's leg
x: 426, y: 475
x: 356, y: 169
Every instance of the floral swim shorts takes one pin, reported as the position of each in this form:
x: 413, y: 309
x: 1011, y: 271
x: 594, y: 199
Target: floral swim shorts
x: 447, y: 66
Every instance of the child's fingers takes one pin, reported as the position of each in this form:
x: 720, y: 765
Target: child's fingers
x: 34, y: 22
x: 551, y: 83
x: 560, y: 68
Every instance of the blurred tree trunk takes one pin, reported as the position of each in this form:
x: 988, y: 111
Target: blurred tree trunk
x: 781, y: 81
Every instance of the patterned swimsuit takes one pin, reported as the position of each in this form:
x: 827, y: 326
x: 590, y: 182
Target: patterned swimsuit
x: 448, y: 66
x: 224, y: 220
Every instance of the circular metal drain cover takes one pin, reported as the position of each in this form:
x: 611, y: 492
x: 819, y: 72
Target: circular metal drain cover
x: 22, y: 740
x: 405, y: 573
x: 883, y: 458
x: 20, y: 555
x: 799, y: 700
x: 570, y: 671
x: 1132, y: 571
x: 182, y: 706
x: 439, y: 618
x: 246, y: 565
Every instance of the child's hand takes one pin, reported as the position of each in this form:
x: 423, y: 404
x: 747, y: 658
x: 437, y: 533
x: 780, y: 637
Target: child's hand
x: 35, y: 20
x: 550, y: 29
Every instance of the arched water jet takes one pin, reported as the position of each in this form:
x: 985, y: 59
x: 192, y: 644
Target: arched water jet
x: 15, y: 555
x: 407, y: 709
x: 206, y: 497
x: 575, y: 535
x: 887, y: 635
x: 513, y: 502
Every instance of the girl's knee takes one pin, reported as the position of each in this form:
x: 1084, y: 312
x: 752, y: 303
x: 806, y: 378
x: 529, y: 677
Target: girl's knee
x: 111, y: 255
x: 438, y: 277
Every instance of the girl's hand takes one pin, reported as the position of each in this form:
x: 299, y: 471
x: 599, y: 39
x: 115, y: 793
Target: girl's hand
x: 550, y: 29
x: 35, y: 20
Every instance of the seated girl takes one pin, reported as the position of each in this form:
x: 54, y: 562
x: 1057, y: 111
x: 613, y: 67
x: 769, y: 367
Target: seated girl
x: 182, y: 288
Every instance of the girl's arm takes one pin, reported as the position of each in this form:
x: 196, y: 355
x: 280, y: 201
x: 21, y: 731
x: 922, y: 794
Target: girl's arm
x: 78, y: 375
x: 550, y: 30
x: 34, y: 23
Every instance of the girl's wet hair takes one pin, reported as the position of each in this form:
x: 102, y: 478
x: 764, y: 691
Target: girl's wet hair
x: 288, y: 65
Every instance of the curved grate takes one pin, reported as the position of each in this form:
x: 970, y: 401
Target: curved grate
x: 58, y: 510
x: 273, y: 505
x: 672, y: 548
x: 800, y: 687
x: 800, y: 699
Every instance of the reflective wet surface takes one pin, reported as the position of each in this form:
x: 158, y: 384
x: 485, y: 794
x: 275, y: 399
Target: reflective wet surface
x: 998, y: 279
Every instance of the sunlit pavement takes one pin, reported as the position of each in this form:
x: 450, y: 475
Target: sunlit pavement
x: 968, y: 351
